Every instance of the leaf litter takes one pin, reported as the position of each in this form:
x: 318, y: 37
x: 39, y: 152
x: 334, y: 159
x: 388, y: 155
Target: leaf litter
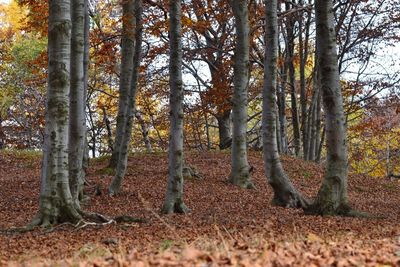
x: 228, y: 226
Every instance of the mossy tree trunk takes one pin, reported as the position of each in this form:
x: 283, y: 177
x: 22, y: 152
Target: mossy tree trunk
x: 285, y: 193
x: 240, y: 169
x: 115, y: 186
x: 174, y: 197
x: 56, y: 202
x: 332, y: 198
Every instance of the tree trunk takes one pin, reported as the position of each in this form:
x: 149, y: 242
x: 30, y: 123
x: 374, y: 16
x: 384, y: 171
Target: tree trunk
x: 284, y: 192
x: 127, y: 51
x: 56, y: 203
x: 77, y: 119
x: 145, y: 131
x: 224, y: 129
x: 281, y: 101
x: 303, y: 54
x: 174, y: 197
x: 115, y: 186
x: 86, y: 52
x: 240, y: 169
x: 107, y: 123
x: 318, y: 136
x: 292, y: 81
x: 332, y: 197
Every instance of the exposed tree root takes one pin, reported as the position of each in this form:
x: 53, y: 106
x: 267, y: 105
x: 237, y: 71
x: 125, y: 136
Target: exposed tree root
x: 82, y: 224
x: 190, y: 173
x: 175, y: 207
x: 290, y: 199
x: 246, y: 185
x: 129, y: 219
x: 87, y: 219
x: 343, y: 210
x: 243, y: 178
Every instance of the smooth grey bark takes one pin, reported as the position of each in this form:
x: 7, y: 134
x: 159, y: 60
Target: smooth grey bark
x: 278, y: 127
x: 145, y: 130
x: 115, y: 185
x: 281, y: 101
x: 86, y: 52
x: 240, y: 169
x: 312, y: 126
x: 224, y: 129
x: 313, y: 123
x: 127, y: 52
x: 303, y: 54
x: 332, y: 198
x: 107, y: 123
x: 285, y: 193
x: 292, y: 81
x: 93, y: 138
x: 77, y: 119
x: 173, y: 202
x: 56, y: 203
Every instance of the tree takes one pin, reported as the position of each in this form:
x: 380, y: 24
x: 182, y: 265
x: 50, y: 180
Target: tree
x: 211, y: 43
x: 290, y: 68
x: 127, y: 52
x: 332, y: 198
x: 130, y: 109
x: 56, y: 201
x: 285, y: 193
x: 77, y: 119
x: 240, y: 169
x: 174, y: 197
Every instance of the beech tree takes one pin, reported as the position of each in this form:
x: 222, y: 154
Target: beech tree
x: 135, y: 21
x: 285, y: 194
x: 125, y: 79
x: 174, y: 198
x: 240, y: 169
x: 77, y: 119
x: 332, y: 198
x: 56, y: 202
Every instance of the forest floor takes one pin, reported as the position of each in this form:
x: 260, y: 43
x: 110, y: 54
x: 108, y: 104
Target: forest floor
x: 228, y: 226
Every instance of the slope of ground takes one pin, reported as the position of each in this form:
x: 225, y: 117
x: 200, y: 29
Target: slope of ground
x: 227, y: 225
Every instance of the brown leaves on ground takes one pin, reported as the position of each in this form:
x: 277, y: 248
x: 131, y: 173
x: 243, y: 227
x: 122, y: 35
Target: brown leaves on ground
x: 227, y: 226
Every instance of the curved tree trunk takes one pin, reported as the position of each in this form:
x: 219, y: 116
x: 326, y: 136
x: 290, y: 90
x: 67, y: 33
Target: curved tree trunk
x: 284, y: 192
x: 115, y: 186
x: 174, y: 198
x: 240, y: 169
x: 77, y: 119
x: 127, y: 52
x: 332, y: 197
x: 56, y: 202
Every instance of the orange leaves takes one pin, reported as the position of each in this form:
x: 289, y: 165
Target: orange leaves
x: 37, y: 17
x: 228, y: 226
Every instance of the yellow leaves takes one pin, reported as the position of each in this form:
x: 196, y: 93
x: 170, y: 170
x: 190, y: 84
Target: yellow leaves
x: 12, y: 17
x: 186, y: 21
